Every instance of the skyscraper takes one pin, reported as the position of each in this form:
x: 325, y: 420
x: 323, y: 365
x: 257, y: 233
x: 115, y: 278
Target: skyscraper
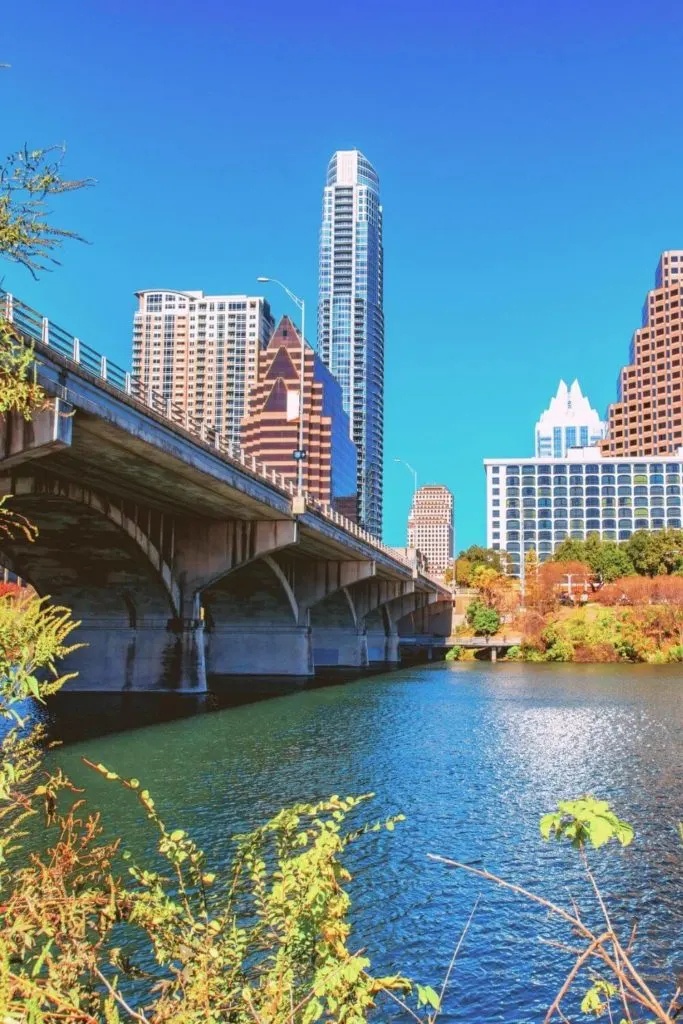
x: 201, y: 351
x: 568, y: 422
x: 270, y: 431
x: 430, y: 526
x: 350, y: 314
x: 646, y: 418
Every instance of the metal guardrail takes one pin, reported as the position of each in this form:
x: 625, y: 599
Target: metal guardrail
x: 41, y: 331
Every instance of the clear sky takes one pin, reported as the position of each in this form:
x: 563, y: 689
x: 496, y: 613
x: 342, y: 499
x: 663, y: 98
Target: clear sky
x: 530, y: 156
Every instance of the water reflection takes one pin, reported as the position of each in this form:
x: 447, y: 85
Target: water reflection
x: 472, y: 754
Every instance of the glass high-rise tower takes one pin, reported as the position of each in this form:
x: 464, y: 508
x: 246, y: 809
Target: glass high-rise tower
x: 351, y: 317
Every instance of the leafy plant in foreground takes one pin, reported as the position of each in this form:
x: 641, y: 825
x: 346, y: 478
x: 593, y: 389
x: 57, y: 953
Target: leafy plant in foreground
x: 589, y: 822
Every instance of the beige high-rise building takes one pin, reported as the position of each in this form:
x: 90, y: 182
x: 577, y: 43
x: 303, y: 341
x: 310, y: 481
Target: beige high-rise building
x: 430, y: 526
x: 647, y: 419
x: 201, y: 351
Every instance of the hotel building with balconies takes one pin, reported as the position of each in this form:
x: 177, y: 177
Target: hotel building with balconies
x: 534, y: 504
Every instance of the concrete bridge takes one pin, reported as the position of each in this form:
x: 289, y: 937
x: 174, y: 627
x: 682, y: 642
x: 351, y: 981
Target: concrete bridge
x: 433, y: 647
x: 178, y: 554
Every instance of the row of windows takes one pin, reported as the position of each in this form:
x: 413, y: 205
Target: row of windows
x: 546, y: 547
x: 580, y: 469
x: 673, y: 486
x: 590, y: 502
x: 593, y: 479
x: 544, y: 515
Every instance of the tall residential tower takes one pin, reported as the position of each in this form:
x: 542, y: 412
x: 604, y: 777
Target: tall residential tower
x: 201, y: 351
x: 647, y: 418
x: 350, y: 314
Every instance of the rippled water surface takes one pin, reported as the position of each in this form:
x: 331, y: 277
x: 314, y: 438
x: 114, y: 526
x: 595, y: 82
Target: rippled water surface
x: 472, y: 754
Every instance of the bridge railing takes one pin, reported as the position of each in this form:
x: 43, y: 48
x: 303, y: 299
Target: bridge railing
x: 41, y: 331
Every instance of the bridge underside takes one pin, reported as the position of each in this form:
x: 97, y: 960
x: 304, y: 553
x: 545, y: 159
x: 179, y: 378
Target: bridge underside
x: 165, y: 595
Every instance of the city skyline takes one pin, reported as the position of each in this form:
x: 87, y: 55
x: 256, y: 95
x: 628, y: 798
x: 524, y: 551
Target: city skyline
x: 540, y: 212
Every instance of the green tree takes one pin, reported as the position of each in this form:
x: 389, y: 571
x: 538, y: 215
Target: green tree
x: 608, y: 560
x: 485, y: 621
x: 476, y: 555
x: 656, y: 553
x: 570, y: 550
x: 28, y: 178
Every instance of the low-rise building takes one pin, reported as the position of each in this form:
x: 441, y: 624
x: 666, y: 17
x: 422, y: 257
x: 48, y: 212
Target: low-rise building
x: 534, y: 504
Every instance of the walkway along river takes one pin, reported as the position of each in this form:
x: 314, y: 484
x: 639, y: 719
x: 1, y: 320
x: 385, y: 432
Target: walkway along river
x: 472, y: 754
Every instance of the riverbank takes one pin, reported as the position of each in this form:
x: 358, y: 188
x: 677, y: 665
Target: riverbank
x: 596, y: 634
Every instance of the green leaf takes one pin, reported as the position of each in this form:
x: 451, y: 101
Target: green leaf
x: 426, y: 996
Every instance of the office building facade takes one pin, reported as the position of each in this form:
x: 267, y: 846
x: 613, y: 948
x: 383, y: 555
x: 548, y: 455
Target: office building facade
x: 201, y: 351
x: 430, y: 526
x: 647, y: 417
x: 270, y: 431
x: 351, y: 316
x: 568, y: 422
x: 534, y: 504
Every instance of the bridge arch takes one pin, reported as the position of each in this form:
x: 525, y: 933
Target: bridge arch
x: 252, y: 623
x: 91, y: 556
x: 68, y: 516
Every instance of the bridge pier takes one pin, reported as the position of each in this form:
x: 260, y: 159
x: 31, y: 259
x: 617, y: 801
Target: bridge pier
x: 340, y: 647
x: 383, y: 648
x: 268, y: 650
x: 151, y: 656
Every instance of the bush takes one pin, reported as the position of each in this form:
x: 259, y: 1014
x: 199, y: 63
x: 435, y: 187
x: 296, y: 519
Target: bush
x: 676, y: 653
x: 484, y: 621
x: 560, y: 650
x: 455, y: 653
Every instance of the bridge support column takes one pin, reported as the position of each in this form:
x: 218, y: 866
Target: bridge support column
x: 340, y: 647
x: 260, y: 650
x: 393, y: 653
x: 154, y: 656
x: 188, y: 664
x: 383, y: 647
x: 494, y: 654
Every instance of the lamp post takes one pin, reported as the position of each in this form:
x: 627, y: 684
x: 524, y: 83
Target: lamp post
x: 411, y: 470
x: 300, y: 454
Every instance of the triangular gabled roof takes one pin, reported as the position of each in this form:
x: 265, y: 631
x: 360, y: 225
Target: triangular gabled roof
x: 286, y: 335
x: 277, y: 399
x: 281, y: 366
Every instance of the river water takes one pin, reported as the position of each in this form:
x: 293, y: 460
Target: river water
x: 472, y: 754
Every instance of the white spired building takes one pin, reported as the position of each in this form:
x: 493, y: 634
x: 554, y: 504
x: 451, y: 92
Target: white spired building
x: 568, y: 422
x: 430, y: 526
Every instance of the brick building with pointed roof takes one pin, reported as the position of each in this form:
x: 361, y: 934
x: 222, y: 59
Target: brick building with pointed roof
x: 270, y: 430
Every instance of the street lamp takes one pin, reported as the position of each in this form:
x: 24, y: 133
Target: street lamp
x: 410, y: 469
x: 299, y: 454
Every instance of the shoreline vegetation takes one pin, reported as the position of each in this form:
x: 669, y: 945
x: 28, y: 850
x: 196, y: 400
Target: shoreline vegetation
x: 594, y: 602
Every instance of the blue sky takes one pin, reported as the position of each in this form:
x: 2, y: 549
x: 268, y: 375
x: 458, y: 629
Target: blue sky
x: 530, y: 156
